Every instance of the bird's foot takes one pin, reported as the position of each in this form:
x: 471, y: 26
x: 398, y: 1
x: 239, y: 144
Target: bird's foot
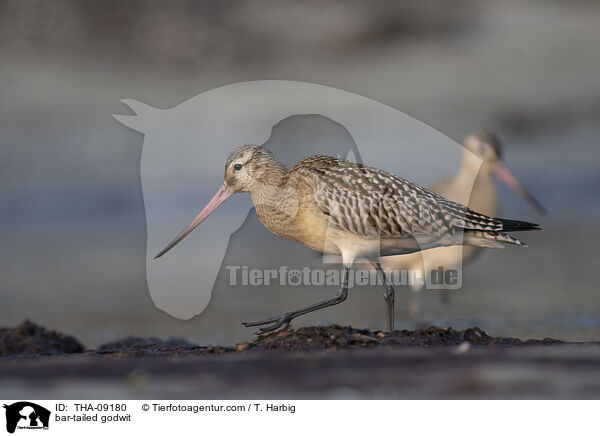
x: 280, y: 321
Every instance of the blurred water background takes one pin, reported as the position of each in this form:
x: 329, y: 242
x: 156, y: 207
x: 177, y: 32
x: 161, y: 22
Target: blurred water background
x: 71, y: 210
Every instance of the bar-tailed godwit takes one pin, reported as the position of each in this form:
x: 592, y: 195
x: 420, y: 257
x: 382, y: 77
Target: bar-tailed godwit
x: 474, y: 187
x: 340, y: 207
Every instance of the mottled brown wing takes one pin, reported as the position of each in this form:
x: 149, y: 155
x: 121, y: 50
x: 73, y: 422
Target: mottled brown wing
x: 371, y: 202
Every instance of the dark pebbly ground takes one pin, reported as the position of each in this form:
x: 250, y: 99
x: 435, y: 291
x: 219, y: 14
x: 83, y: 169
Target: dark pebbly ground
x: 309, y: 362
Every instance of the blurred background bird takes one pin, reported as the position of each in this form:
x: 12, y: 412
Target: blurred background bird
x: 473, y: 186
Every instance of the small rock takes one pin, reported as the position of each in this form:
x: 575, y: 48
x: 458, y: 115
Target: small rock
x: 242, y: 347
x: 341, y: 341
x: 462, y: 348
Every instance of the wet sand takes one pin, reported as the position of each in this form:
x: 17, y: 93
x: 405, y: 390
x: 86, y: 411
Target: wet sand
x: 307, y: 363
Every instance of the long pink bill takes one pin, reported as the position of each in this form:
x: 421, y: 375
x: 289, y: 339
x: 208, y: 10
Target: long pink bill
x: 504, y: 174
x: 223, y: 194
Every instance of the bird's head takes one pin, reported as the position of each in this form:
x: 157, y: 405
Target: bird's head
x: 248, y: 168
x: 485, y: 146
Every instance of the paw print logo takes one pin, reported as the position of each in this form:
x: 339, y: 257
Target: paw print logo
x: 294, y: 277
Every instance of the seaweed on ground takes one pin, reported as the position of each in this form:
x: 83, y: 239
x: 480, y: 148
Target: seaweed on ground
x: 29, y: 339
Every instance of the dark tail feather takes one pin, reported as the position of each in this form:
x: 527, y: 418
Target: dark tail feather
x: 517, y: 226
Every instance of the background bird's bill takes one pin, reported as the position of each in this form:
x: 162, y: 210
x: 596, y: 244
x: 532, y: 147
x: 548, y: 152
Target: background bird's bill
x: 503, y: 173
x: 222, y: 194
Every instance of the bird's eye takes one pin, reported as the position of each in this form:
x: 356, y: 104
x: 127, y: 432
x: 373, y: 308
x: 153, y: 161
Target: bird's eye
x: 237, y: 167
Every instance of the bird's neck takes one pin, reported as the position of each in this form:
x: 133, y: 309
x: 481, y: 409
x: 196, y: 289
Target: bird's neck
x: 276, y: 203
x: 472, y: 166
x: 271, y: 175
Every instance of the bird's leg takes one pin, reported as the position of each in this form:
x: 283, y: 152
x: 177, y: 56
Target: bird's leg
x: 445, y: 296
x: 414, y: 306
x: 388, y: 295
x: 284, y: 319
